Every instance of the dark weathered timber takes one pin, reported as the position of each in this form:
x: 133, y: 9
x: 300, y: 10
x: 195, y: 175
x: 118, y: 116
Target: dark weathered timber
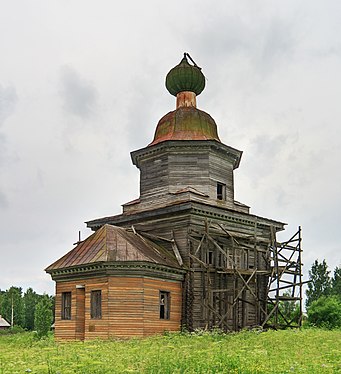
x: 227, y: 257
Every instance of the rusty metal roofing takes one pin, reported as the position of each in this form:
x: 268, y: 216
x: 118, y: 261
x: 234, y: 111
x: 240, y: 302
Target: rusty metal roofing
x: 186, y: 123
x: 111, y: 243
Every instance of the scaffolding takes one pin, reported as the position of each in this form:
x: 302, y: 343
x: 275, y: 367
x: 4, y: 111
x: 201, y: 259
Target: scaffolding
x: 237, y: 280
x: 285, y: 283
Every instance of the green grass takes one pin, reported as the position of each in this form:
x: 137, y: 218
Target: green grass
x: 290, y: 351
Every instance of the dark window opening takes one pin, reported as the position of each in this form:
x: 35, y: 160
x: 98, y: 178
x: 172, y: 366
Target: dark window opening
x: 164, y: 304
x: 66, y: 305
x: 96, y: 304
x: 220, y: 191
x: 210, y: 258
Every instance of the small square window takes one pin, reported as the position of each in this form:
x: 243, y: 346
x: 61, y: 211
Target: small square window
x: 96, y: 304
x: 66, y: 305
x: 164, y: 304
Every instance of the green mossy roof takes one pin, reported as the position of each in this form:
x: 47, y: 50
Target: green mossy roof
x: 185, y: 77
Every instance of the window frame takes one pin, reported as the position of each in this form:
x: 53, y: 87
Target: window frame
x: 96, y: 304
x: 66, y: 305
x: 164, y: 304
x: 221, y: 191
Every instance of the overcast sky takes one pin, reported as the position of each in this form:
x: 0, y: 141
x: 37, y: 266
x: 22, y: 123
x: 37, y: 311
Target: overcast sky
x: 82, y: 85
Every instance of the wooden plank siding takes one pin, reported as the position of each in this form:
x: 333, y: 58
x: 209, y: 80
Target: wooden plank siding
x: 169, y: 168
x: 130, y: 308
x: 126, y: 307
x: 152, y: 322
x: 80, y: 313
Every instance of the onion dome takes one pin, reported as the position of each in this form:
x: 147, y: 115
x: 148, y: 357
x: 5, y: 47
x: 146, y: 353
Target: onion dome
x: 186, y: 123
x: 185, y: 77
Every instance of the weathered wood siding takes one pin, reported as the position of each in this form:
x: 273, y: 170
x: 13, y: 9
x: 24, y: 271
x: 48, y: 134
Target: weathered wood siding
x: 130, y: 308
x: 65, y: 329
x: 80, y: 312
x: 97, y: 328
x: 203, y: 288
x: 80, y: 325
x: 152, y: 322
x: 126, y: 306
x: 134, y: 306
x: 169, y: 169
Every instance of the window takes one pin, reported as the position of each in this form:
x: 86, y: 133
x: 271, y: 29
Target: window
x: 96, y: 304
x: 221, y: 191
x: 210, y: 258
x: 66, y: 305
x: 164, y: 304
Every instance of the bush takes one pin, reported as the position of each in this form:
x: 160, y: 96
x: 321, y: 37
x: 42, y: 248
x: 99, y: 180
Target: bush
x: 13, y: 330
x: 325, y: 312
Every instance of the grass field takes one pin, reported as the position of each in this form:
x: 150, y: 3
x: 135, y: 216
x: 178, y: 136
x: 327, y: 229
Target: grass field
x: 290, y: 351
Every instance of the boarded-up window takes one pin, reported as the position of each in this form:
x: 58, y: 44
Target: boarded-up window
x: 164, y: 305
x: 66, y: 305
x: 96, y: 304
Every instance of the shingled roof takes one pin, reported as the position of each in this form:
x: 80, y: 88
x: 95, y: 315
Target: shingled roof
x: 112, y: 243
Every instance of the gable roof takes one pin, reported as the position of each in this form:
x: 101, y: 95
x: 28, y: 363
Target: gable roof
x: 3, y: 322
x: 112, y: 243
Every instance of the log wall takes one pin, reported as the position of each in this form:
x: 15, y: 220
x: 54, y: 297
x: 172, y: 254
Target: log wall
x: 130, y: 308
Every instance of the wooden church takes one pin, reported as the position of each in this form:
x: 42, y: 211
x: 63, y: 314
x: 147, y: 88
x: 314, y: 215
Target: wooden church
x: 185, y: 254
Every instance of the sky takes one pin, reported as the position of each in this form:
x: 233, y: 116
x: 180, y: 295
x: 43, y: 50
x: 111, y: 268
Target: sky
x: 82, y: 85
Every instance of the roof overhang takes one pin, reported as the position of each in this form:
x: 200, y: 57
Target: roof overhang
x: 118, y: 268
x: 234, y: 155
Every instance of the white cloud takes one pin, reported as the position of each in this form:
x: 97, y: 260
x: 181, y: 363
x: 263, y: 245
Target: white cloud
x: 78, y: 95
x: 273, y: 87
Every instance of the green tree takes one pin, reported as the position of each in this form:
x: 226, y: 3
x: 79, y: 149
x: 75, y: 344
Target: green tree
x: 12, y: 305
x: 31, y: 298
x: 43, y: 316
x: 325, y: 312
x: 1, y: 299
x: 320, y: 282
x: 336, y: 282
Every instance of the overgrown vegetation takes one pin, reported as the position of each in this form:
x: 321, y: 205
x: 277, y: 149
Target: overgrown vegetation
x: 325, y: 312
x: 324, y: 296
x: 304, y: 351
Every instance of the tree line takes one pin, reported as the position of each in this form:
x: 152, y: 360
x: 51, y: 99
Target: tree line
x: 27, y: 310
x: 323, y: 302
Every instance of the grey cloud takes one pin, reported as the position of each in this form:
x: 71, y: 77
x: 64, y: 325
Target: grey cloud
x: 265, y: 43
x: 78, y: 95
x: 8, y: 99
x: 3, y: 200
x: 3, y: 144
x: 279, y: 41
x: 269, y: 147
